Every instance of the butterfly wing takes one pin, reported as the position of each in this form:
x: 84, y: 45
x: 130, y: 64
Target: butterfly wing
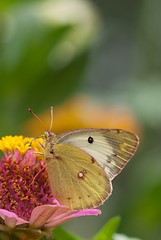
x: 76, y: 178
x: 111, y: 148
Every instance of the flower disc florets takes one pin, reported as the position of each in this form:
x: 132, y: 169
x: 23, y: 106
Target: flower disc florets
x: 23, y: 177
x: 28, y: 209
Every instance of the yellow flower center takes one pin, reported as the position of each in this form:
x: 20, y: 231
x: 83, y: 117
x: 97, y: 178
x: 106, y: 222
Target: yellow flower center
x: 9, y: 144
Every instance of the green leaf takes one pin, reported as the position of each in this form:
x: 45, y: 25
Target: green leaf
x: 60, y: 234
x: 106, y: 233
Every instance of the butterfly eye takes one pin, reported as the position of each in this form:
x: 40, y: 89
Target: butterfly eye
x: 90, y: 140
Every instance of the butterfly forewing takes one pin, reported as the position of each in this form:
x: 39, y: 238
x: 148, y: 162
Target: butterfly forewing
x: 76, y: 178
x: 111, y: 148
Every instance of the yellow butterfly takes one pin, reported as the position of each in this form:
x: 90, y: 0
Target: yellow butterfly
x: 82, y: 163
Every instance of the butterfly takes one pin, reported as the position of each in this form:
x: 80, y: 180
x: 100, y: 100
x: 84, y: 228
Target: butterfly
x: 81, y: 164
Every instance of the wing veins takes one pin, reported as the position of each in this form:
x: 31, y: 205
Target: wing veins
x: 85, y: 178
x: 80, y: 186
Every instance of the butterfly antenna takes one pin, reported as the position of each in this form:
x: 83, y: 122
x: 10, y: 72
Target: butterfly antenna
x: 51, y: 117
x: 37, y: 117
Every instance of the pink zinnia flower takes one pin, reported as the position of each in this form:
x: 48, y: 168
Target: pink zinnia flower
x: 27, y: 208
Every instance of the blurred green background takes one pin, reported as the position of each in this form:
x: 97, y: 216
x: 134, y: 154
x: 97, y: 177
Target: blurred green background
x: 110, y: 50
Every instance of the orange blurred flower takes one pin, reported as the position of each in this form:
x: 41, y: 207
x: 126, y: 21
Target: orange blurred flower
x: 84, y: 112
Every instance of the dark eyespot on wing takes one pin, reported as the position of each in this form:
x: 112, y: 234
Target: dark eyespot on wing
x: 90, y: 139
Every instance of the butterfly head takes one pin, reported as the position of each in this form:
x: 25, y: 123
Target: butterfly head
x: 50, y: 136
x: 50, y: 140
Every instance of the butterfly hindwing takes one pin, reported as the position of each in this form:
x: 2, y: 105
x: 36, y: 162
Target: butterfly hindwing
x: 111, y: 148
x: 76, y: 178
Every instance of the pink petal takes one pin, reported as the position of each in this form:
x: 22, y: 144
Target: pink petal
x: 29, y: 158
x: 11, y: 219
x: 52, y: 215
x: 42, y: 215
x: 71, y: 214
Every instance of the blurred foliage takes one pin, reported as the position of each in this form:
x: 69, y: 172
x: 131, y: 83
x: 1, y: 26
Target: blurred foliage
x: 108, y: 232
x: 110, y: 50
x: 42, y: 58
